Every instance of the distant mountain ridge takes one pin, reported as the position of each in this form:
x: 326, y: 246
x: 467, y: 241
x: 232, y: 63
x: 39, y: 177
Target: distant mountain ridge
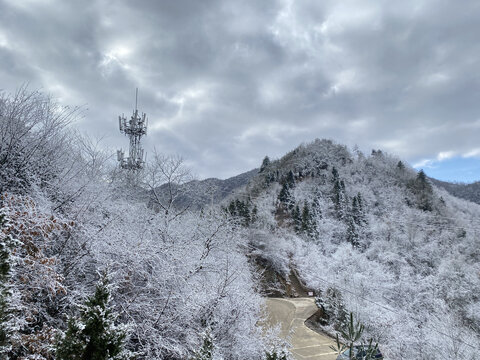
x: 470, y: 192
x: 196, y: 194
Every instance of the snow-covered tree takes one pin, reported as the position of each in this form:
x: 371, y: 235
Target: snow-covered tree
x: 94, y: 334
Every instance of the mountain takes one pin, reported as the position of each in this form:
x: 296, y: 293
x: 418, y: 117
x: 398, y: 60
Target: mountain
x: 470, y: 192
x: 372, y: 236
x: 198, y: 193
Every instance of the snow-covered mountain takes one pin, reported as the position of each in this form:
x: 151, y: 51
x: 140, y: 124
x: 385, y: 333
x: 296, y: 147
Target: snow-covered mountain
x: 372, y: 236
x: 197, y: 194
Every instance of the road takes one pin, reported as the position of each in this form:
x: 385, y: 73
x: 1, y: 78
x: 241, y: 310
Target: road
x: 291, y: 315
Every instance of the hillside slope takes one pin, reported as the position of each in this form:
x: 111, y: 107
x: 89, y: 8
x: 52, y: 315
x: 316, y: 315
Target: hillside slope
x: 470, y: 192
x: 196, y: 194
x: 375, y: 237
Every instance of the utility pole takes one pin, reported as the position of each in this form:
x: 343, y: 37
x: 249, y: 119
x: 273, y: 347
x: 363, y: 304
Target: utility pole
x: 134, y: 128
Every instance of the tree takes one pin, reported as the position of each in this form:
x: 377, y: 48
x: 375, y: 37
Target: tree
x: 32, y: 139
x: 275, y: 355
x: 333, y: 307
x: 265, y: 164
x: 93, y: 335
x: 297, y: 219
x: 308, y: 225
x: 357, y: 211
x: 284, y: 195
x: 423, y: 191
x: 37, y: 284
x: 206, y: 351
x: 334, y: 175
x: 339, y: 198
x: 254, y: 215
x: 166, y: 177
x: 351, y: 333
x: 352, y: 232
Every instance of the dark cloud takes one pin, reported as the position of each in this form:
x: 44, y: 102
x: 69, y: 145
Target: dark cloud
x: 226, y: 82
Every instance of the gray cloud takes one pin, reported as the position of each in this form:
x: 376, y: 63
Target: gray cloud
x: 225, y: 83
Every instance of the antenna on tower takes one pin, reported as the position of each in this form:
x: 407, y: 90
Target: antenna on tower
x: 134, y: 128
x: 136, y: 97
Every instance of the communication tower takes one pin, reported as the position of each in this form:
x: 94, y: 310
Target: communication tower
x: 134, y: 128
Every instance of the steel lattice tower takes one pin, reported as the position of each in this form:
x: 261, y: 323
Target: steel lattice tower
x: 134, y: 128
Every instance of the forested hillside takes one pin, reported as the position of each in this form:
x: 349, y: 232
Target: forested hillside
x: 95, y: 265
x: 375, y: 238
x: 197, y: 194
x: 470, y: 192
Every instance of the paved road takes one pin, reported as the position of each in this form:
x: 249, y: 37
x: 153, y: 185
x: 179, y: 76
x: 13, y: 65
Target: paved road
x: 291, y: 315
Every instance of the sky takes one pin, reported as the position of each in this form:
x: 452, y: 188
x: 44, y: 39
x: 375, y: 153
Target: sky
x: 225, y: 82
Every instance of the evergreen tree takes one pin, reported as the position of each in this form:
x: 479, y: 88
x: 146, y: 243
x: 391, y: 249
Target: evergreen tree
x: 297, y: 220
x: 239, y: 207
x: 232, y: 208
x: 254, y: 215
x: 275, y: 355
x: 206, y: 351
x: 352, y: 332
x: 423, y: 191
x: 357, y: 212
x: 284, y: 196
x: 335, y: 176
x: 265, y: 163
x: 339, y: 198
x: 306, y: 220
x: 317, y: 212
x: 290, y: 180
x: 352, y: 232
x: 94, y: 335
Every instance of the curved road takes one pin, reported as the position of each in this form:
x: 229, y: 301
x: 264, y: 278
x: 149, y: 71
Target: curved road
x: 291, y: 315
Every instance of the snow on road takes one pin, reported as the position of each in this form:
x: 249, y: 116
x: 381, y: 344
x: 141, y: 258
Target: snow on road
x: 291, y: 315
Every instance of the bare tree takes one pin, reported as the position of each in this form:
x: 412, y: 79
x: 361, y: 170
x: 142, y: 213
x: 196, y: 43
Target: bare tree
x: 32, y: 137
x: 166, y: 177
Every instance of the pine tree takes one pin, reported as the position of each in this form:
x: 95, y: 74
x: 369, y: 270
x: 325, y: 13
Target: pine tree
x: 206, y: 351
x: 306, y: 220
x: 317, y: 212
x: 94, y: 335
x: 284, y: 196
x: 232, y: 209
x: 334, y: 175
x: 352, y: 332
x: 275, y: 355
x: 265, y: 163
x: 339, y: 198
x: 290, y: 180
x: 423, y: 191
x: 352, y: 232
x: 297, y: 220
x: 357, y: 210
x: 254, y: 215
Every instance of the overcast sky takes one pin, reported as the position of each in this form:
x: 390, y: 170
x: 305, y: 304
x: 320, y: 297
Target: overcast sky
x: 225, y: 83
